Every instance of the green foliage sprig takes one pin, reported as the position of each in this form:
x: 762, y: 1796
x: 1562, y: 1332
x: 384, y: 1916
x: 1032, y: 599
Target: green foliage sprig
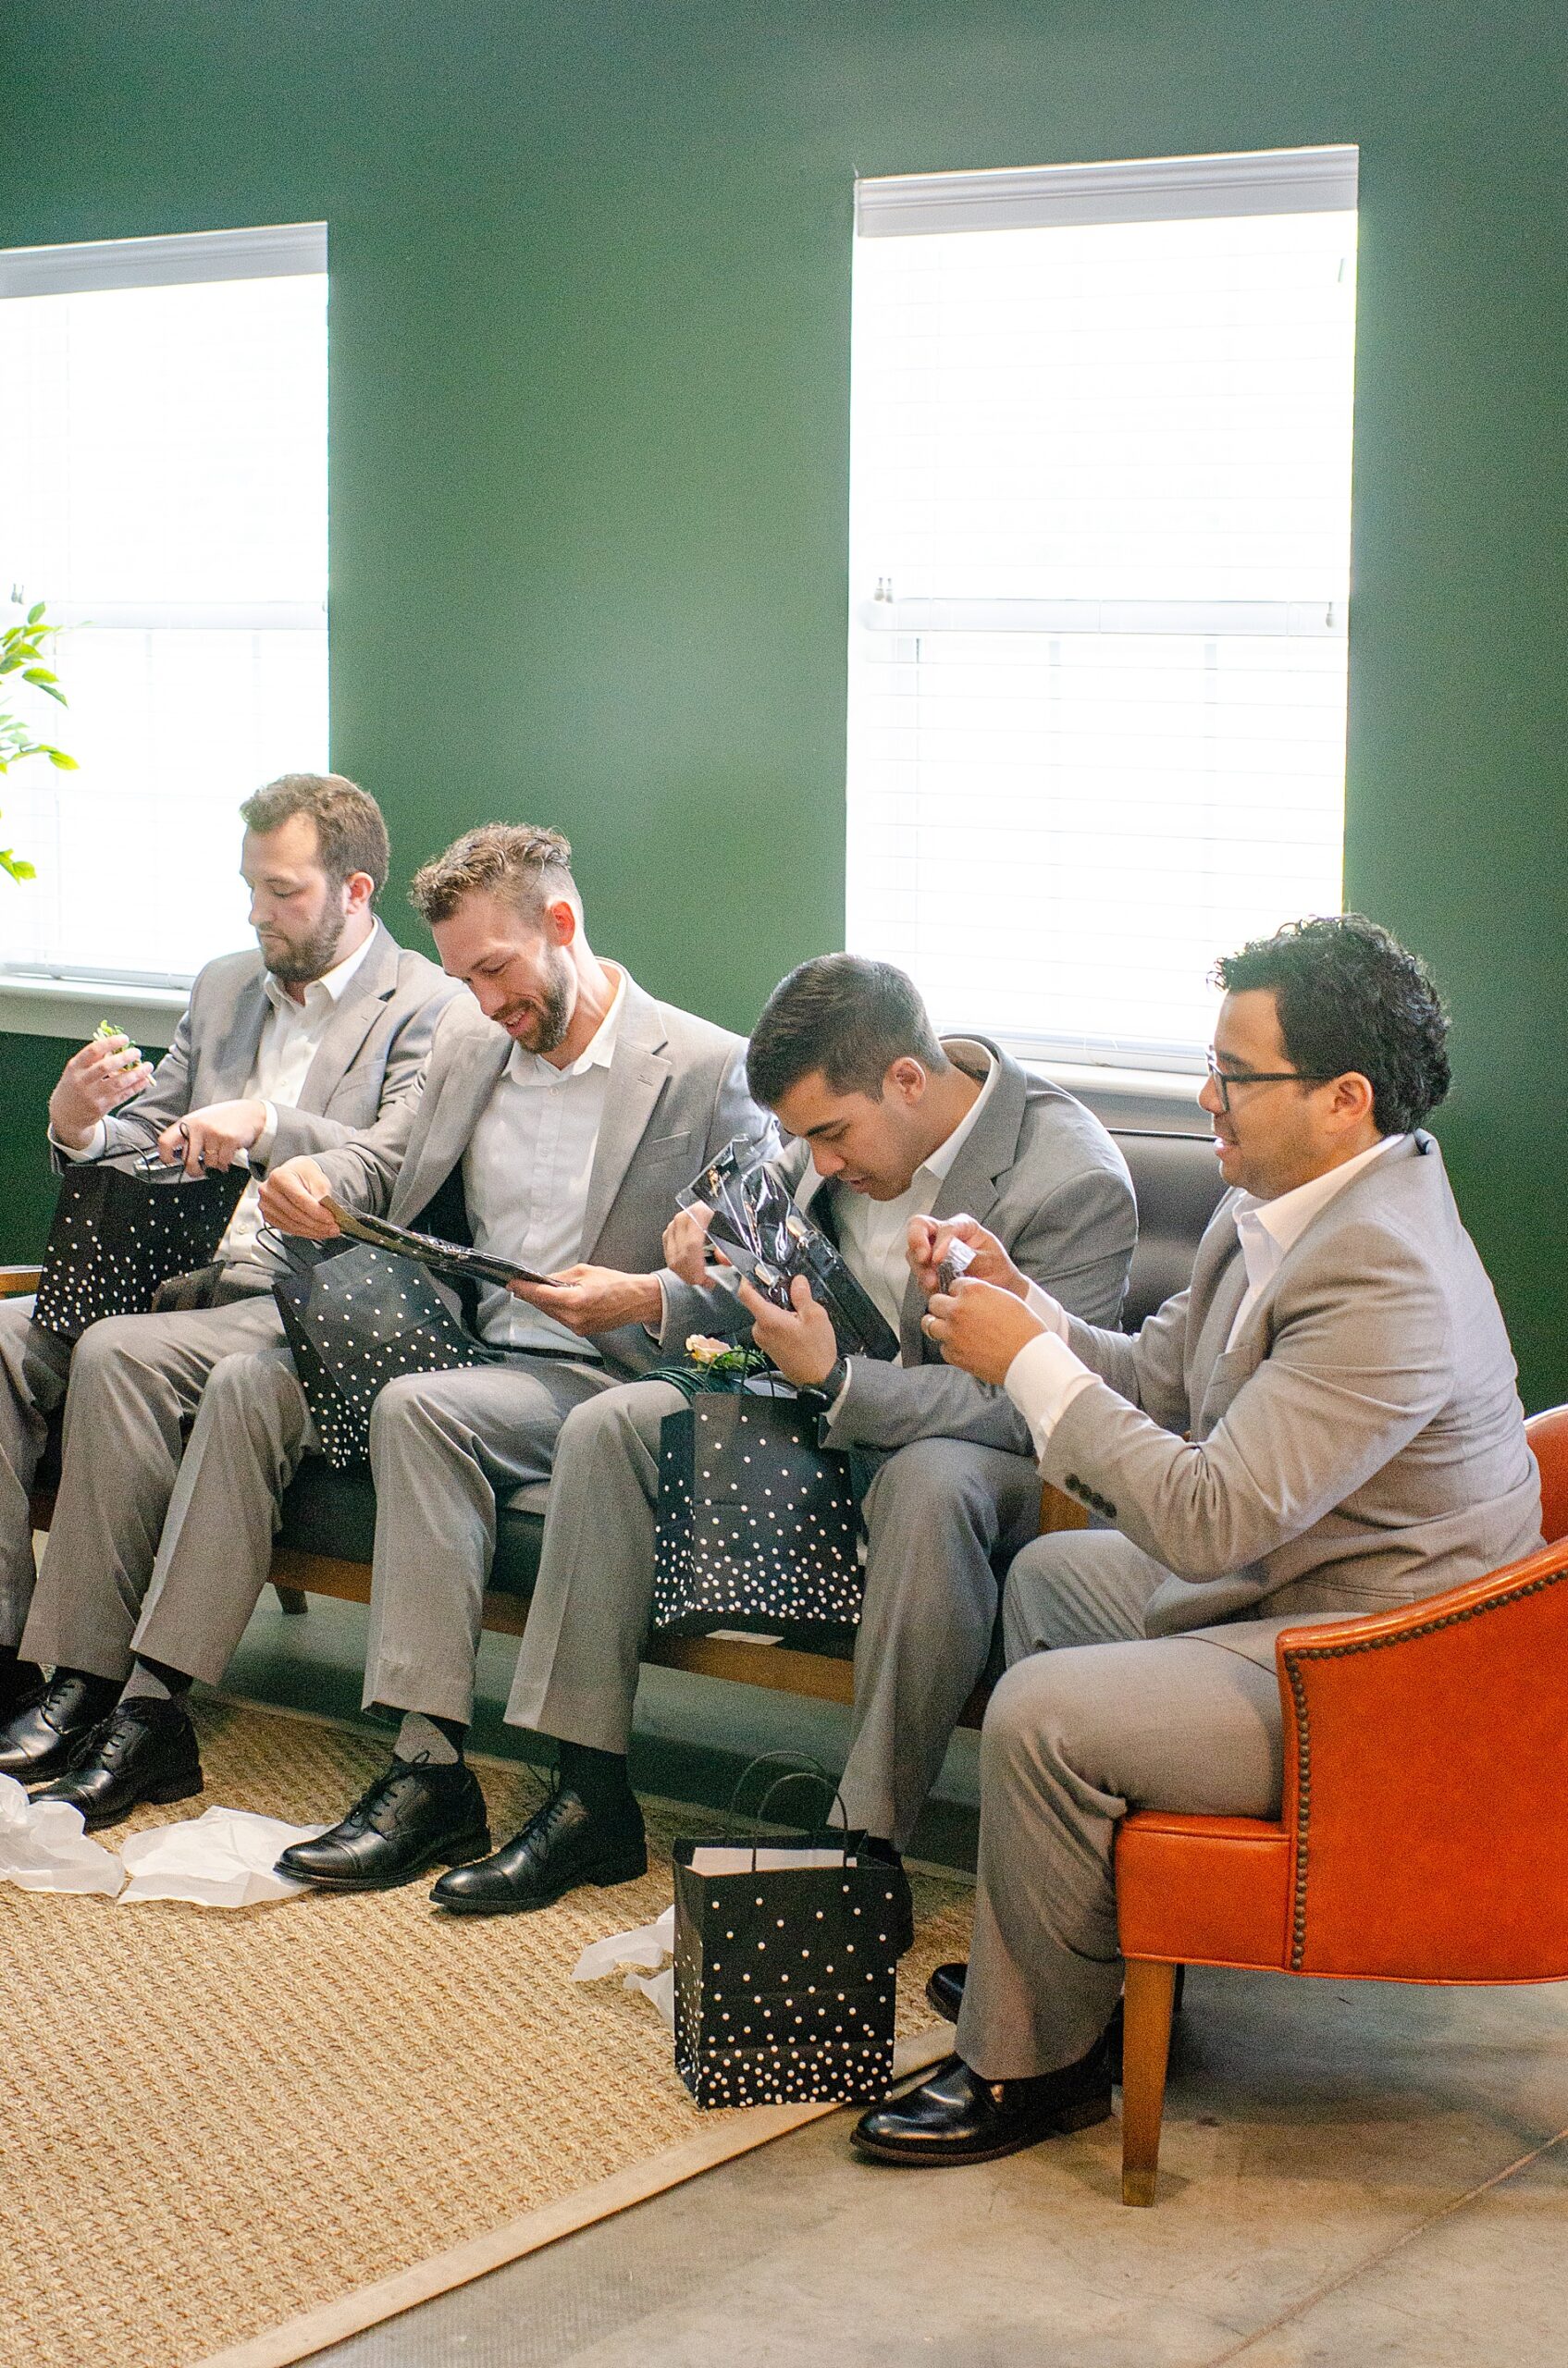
x: 24, y: 649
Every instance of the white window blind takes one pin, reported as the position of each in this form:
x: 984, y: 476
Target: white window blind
x: 1100, y: 514
x: 164, y: 403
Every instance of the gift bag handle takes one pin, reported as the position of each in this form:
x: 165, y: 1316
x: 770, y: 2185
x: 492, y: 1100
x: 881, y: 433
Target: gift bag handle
x: 801, y: 1761
x: 802, y: 1776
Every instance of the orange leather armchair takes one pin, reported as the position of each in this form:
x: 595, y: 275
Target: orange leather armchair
x: 1423, y: 1829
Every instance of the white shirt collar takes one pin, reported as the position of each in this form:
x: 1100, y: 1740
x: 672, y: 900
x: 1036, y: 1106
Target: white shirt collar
x: 597, y: 1053
x: 941, y: 1160
x: 1268, y: 1228
x: 331, y: 982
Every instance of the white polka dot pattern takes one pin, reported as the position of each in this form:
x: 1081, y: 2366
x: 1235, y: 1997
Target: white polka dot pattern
x: 786, y: 1979
x: 756, y: 1523
x: 117, y: 1235
x: 356, y: 1321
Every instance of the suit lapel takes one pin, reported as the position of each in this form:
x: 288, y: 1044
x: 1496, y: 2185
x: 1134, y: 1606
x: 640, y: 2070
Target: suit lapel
x: 453, y: 1112
x: 234, y: 1058
x: 352, y: 1018
x: 639, y: 1071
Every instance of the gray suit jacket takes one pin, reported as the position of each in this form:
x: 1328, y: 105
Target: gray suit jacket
x: 676, y: 1095
x: 1040, y: 1171
x: 371, y: 1054
x: 1361, y: 1446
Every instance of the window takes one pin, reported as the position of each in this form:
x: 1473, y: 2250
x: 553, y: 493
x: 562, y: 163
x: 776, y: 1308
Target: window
x: 164, y: 403
x: 1100, y: 526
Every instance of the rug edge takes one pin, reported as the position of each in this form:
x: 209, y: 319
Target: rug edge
x: 314, y: 2331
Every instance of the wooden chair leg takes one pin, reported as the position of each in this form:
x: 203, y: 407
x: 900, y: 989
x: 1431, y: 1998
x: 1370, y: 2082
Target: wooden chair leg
x: 292, y: 1600
x: 1145, y: 2047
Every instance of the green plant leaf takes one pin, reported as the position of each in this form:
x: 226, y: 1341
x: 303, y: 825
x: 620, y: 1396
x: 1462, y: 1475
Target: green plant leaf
x: 58, y: 756
x: 35, y: 614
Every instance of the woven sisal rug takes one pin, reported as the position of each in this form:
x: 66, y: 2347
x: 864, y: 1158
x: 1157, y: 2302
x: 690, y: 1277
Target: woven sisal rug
x: 213, y: 2121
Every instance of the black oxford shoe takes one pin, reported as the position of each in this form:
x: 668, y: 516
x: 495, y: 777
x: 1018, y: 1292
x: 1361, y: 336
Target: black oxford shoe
x: 564, y: 1844
x: 36, y: 1744
x: 145, y: 1750
x: 945, y: 1993
x: 957, y: 2117
x: 414, y: 1816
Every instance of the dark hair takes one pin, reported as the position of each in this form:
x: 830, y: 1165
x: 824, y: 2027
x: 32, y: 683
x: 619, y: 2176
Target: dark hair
x: 349, y: 832
x: 846, y: 1016
x: 1352, y: 997
x: 527, y: 866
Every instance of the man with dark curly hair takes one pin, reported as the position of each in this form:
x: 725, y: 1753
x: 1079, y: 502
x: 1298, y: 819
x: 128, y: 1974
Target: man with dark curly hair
x: 1325, y: 1423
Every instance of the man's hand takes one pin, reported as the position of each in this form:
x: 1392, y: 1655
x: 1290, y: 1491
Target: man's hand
x: 94, y: 1081
x: 685, y: 1244
x: 595, y: 1299
x: 928, y: 1245
x: 980, y: 1328
x: 292, y: 1198
x: 799, y: 1339
x: 212, y: 1138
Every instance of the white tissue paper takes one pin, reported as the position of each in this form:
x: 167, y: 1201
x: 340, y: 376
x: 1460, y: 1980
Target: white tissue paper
x: 222, y: 1859
x: 43, y: 1847
x: 640, y: 1955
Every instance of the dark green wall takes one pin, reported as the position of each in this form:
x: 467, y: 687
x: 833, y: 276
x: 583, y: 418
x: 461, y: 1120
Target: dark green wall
x: 589, y: 427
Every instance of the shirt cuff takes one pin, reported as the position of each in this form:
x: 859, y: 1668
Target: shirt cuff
x: 832, y: 1410
x: 94, y: 1147
x: 261, y: 1150
x: 1043, y: 1381
x: 1051, y: 1312
x: 656, y: 1331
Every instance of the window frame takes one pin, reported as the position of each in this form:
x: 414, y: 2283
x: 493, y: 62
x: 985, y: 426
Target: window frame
x: 54, y: 999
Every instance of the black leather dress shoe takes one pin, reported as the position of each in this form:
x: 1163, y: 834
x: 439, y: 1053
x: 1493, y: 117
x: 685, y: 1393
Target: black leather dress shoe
x: 945, y: 1993
x: 414, y: 1816
x: 564, y: 1844
x: 145, y: 1750
x: 37, y: 1744
x: 954, y: 2116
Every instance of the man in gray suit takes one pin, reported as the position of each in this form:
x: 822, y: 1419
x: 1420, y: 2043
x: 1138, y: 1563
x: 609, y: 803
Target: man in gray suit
x: 1326, y: 1423
x: 888, y: 1121
x: 288, y: 1049
x: 561, y: 1111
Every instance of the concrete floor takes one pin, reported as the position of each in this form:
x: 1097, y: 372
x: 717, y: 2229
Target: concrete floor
x: 1353, y: 2176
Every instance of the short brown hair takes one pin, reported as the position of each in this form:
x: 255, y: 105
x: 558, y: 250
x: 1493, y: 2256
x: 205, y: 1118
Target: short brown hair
x: 350, y: 833
x: 525, y: 865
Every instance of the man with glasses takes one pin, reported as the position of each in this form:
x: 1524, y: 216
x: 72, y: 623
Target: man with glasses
x: 1325, y: 1423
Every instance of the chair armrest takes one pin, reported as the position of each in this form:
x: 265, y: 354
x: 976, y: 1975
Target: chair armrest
x: 1423, y: 1788
x: 17, y: 1281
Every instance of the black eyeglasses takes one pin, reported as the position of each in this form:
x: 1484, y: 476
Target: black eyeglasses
x: 1259, y: 1076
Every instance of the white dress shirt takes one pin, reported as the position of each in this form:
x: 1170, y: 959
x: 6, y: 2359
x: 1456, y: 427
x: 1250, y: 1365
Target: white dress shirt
x: 526, y: 1176
x: 1045, y: 1375
x: 290, y: 1041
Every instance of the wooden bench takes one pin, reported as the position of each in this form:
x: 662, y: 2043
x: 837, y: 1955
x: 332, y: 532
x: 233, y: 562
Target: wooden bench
x: 324, y: 1545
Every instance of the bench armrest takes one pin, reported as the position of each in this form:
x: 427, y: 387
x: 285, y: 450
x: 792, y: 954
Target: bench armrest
x: 17, y: 1281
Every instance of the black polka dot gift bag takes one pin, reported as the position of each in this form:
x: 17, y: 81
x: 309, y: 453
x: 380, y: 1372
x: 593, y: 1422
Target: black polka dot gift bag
x: 122, y: 1230
x: 786, y: 1963
x: 355, y: 1319
x: 756, y: 1526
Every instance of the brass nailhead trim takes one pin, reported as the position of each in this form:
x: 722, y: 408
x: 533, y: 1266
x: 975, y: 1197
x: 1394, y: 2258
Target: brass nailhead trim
x: 1300, y: 1653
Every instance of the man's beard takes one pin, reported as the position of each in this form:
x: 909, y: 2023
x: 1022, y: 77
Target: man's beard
x: 554, y: 1003
x: 296, y: 961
